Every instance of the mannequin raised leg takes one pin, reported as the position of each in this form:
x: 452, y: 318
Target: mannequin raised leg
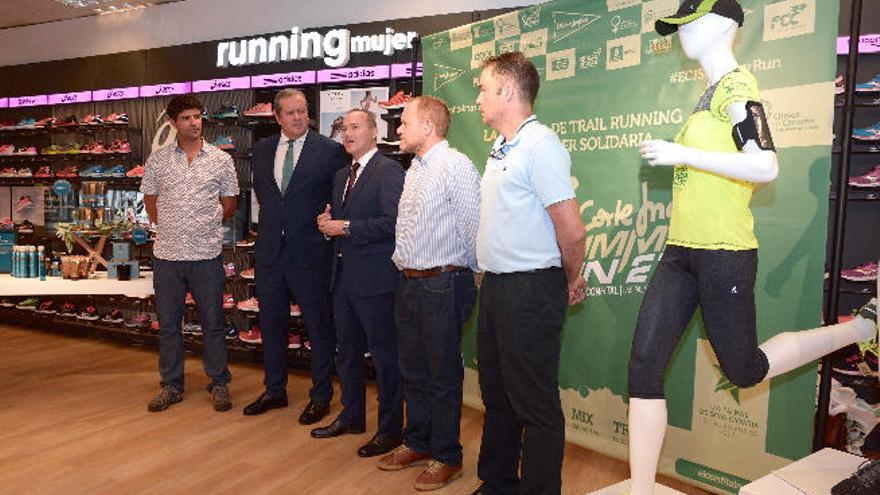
x: 790, y: 350
x: 647, y: 428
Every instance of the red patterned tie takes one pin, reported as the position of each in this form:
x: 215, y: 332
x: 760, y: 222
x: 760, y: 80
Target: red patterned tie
x: 352, y: 175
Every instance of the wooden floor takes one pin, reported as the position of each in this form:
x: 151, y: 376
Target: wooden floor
x: 73, y: 420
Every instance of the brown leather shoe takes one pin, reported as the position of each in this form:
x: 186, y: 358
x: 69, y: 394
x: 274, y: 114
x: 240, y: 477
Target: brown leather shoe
x: 437, y: 475
x: 402, y: 457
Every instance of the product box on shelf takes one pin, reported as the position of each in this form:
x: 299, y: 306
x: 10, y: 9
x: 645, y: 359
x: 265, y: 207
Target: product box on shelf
x: 7, y: 240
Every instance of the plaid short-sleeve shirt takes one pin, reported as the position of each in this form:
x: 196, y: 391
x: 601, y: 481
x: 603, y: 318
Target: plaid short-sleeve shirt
x: 190, y: 219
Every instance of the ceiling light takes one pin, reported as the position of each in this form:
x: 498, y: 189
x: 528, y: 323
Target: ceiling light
x: 104, y: 6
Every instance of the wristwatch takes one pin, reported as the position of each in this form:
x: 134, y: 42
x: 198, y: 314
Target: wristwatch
x: 345, y: 228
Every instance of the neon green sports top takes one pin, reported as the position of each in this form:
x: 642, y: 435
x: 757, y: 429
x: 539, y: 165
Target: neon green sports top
x: 710, y: 211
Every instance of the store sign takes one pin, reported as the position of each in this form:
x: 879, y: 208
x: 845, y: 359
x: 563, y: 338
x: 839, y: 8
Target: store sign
x: 334, y: 47
x: 4, y: 102
x: 139, y: 235
x: 28, y: 101
x: 61, y: 187
x: 369, y: 73
x: 165, y: 89
x: 868, y: 43
x: 283, y: 79
x: 65, y: 98
x: 404, y: 70
x: 116, y: 94
x: 227, y: 84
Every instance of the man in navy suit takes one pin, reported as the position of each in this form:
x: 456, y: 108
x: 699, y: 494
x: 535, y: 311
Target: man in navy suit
x: 361, y: 219
x: 293, y: 179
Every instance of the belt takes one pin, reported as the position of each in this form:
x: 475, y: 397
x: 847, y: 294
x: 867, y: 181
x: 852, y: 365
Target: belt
x: 432, y: 272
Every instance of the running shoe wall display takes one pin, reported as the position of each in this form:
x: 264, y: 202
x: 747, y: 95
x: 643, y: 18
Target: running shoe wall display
x: 335, y: 102
x: 609, y: 82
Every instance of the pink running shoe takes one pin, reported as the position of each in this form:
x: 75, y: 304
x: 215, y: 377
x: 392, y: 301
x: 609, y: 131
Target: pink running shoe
x: 228, y: 301
x: 252, y: 336
x: 294, y: 310
x: 863, y: 273
x: 249, y: 305
x: 26, y: 151
x: 229, y: 268
x: 137, y: 171
x: 259, y: 110
x: 870, y: 179
x: 25, y: 203
x: 294, y: 341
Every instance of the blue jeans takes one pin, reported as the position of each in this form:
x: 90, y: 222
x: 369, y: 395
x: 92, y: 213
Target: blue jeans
x: 205, y: 279
x: 429, y: 315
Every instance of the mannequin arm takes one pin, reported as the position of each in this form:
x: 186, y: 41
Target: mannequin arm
x: 753, y: 164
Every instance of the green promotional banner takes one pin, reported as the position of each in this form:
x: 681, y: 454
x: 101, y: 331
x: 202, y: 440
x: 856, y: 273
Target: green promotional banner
x: 608, y: 82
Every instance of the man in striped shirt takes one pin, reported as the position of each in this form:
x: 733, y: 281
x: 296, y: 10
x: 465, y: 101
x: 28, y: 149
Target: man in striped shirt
x: 435, y: 250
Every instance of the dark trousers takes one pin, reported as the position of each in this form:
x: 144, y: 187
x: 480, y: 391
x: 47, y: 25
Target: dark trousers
x: 205, y: 280
x: 723, y: 284
x: 521, y: 316
x: 429, y: 314
x: 367, y: 323
x: 309, y: 286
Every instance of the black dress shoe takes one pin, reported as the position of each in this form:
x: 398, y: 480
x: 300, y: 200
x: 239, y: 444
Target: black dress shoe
x: 264, y: 403
x: 335, y: 429
x: 314, y: 412
x: 380, y: 444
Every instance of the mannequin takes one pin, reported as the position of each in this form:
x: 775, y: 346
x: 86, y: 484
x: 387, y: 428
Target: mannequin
x: 714, y: 176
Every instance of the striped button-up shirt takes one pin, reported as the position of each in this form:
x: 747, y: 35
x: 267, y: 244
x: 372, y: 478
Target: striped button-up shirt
x: 439, y: 211
x: 189, y: 209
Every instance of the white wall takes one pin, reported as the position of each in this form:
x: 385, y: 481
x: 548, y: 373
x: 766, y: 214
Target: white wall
x: 192, y: 21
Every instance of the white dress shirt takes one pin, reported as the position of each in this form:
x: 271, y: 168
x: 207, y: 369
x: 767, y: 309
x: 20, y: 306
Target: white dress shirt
x: 281, y: 150
x: 363, y: 160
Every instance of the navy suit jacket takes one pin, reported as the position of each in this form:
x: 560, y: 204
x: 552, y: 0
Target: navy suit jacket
x: 296, y: 210
x: 372, y: 210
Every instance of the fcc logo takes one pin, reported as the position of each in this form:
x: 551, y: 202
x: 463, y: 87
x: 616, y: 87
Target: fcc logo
x: 789, y: 18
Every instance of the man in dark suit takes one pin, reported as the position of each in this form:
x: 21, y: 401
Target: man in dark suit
x: 293, y: 179
x: 362, y: 220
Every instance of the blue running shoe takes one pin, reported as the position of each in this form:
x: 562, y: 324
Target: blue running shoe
x: 115, y: 171
x: 26, y: 123
x: 872, y: 86
x: 95, y: 172
x: 226, y: 143
x: 226, y: 111
x: 870, y: 133
x: 232, y: 332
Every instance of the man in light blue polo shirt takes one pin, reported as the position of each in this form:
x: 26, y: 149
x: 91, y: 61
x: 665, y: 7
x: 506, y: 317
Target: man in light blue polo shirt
x: 530, y: 245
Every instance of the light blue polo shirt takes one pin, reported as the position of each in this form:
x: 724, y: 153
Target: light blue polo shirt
x: 523, y: 177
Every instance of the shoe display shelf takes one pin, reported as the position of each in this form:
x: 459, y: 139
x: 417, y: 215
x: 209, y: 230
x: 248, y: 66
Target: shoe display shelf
x: 62, y: 157
x: 390, y: 146
x: 98, y: 284
x: 126, y: 335
x: 853, y: 208
x: 112, y: 182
